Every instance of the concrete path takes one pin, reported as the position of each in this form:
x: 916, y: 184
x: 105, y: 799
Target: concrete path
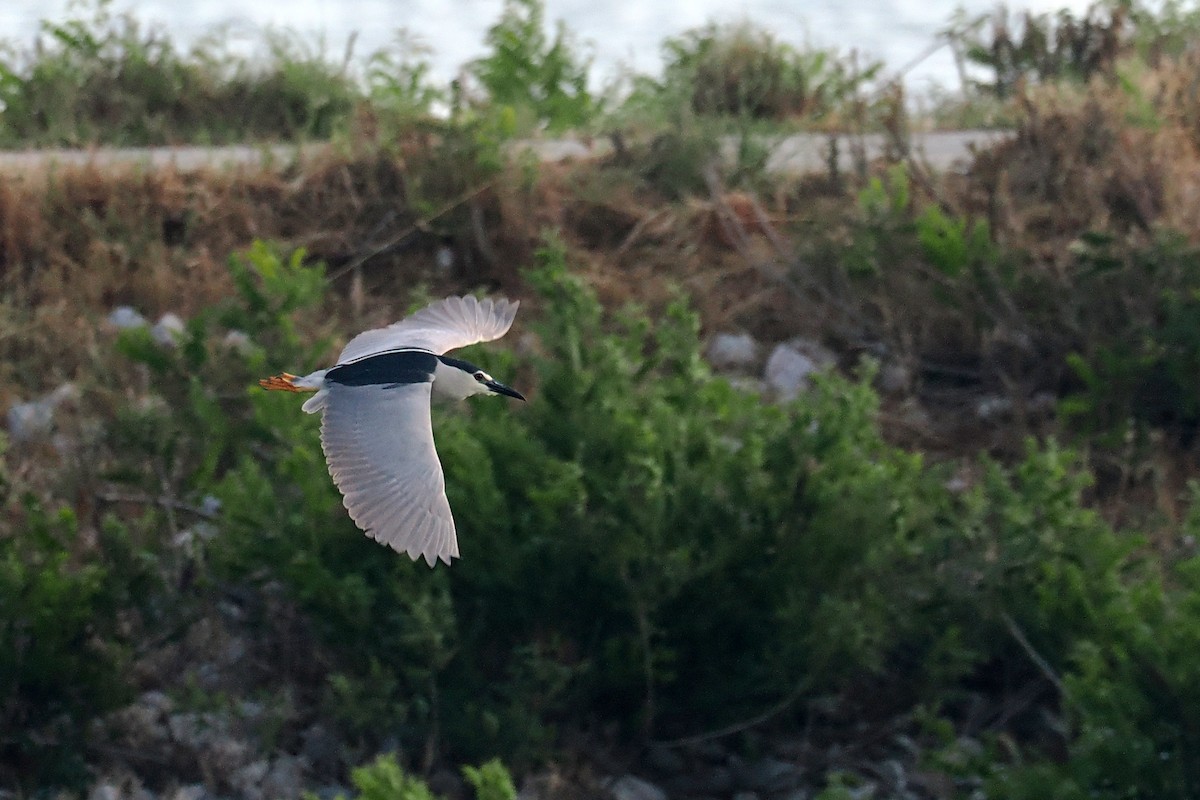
x: 792, y: 155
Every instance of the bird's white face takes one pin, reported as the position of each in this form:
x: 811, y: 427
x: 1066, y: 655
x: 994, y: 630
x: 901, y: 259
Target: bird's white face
x: 456, y: 382
x: 482, y: 383
x: 492, y: 386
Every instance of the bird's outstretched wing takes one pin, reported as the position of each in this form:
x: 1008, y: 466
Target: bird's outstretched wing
x: 378, y: 440
x: 446, y: 325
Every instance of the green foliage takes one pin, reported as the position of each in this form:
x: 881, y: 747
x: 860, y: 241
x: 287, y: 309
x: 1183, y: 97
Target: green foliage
x: 182, y: 440
x: 1163, y: 29
x: 742, y: 70
x: 638, y: 509
x: 62, y: 646
x: 398, y: 81
x: 675, y: 162
x: 98, y: 77
x: 954, y: 246
x: 532, y: 73
x: 1114, y: 331
x: 916, y: 254
x: 1042, y: 47
x: 383, y: 779
x: 491, y: 781
x: 1130, y: 698
x: 1101, y: 40
x: 1140, y: 362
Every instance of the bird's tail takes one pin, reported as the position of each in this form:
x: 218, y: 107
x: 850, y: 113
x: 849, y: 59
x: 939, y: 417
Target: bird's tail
x: 284, y: 382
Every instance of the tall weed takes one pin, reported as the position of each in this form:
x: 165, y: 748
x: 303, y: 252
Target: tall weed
x: 742, y: 70
x: 99, y: 77
x: 537, y: 76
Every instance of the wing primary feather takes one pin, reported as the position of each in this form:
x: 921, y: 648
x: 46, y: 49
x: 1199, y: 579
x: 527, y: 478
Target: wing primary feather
x: 445, y: 325
x: 379, y: 446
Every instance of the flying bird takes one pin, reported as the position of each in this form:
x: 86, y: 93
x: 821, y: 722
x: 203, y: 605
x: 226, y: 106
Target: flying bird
x: 376, y: 429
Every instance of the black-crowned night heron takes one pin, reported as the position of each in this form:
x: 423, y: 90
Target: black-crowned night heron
x: 375, y: 424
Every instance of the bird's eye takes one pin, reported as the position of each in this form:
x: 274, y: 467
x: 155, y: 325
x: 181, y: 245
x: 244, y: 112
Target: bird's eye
x: 480, y: 376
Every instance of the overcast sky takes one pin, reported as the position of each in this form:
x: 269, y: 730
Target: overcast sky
x: 619, y: 31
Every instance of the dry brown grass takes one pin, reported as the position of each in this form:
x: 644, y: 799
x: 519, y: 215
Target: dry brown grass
x: 1100, y: 159
x: 74, y: 243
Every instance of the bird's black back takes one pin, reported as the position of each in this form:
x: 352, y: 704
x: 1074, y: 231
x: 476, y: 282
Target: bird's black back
x: 393, y: 368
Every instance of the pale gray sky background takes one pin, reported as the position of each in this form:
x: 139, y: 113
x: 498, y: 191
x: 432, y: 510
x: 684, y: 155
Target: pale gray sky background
x: 625, y: 32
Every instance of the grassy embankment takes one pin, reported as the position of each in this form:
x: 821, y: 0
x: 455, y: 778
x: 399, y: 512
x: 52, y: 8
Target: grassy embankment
x: 982, y: 569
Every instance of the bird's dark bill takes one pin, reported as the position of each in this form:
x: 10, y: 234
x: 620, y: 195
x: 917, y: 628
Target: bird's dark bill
x: 500, y: 388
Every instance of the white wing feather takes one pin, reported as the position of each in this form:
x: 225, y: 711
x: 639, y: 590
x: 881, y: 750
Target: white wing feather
x: 446, y: 325
x: 379, y: 444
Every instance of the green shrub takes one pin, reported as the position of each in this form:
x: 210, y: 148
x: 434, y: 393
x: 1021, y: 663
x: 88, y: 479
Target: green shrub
x: 638, y: 509
x: 1141, y: 307
x: 1043, y: 47
x: 742, y: 70
x: 383, y: 779
x: 99, y: 77
x: 532, y: 74
x: 398, y: 82
x: 1130, y: 693
x: 69, y: 616
x: 491, y: 781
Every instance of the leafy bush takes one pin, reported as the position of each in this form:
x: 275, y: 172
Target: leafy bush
x: 1044, y: 47
x: 743, y: 71
x: 99, y: 77
x: 491, y: 781
x: 1141, y: 365
x: 70, y: 614
x: 398, y: 82
x: 639, y: 509
x: 532, y: 74
x: 1110, y: 328
x: 383, y: 779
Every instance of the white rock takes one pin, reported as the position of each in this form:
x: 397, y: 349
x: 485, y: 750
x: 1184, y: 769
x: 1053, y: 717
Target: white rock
x: 790, y: 365
x: 239, y: 342
x: 732, y: 351
x: 158, y: 702
x: 992, y: 407
x: 104, y: 791
x: 196, y: 730
x: 126, y: 317
x: 248, y: 780
x: 285, y: 778
x: 628, y: 787
x: 168, y: 330
x: 193, y: 791
x: 29, y: 420
x: 894, y: 378
x: 33, y: 419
